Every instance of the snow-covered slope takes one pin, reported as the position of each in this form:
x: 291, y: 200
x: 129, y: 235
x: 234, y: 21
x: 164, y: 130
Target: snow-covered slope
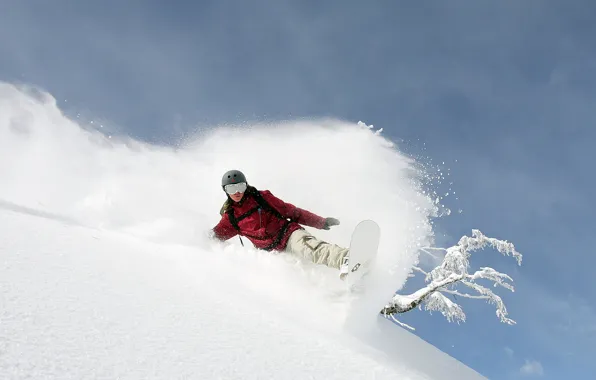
x: 105, y: 270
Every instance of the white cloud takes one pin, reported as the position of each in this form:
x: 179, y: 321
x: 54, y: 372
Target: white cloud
x: 509, y: 351
x: 532, y: 367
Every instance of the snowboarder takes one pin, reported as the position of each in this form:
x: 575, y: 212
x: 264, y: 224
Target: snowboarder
x: 274, y: 225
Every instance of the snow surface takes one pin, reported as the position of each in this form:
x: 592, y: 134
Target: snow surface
x: 106, y: 271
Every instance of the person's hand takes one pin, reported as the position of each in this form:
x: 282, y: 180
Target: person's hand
x: 330, y: 222
x: 211, y: 235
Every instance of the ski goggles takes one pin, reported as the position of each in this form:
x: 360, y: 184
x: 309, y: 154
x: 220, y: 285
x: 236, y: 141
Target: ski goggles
x: 234, y: 188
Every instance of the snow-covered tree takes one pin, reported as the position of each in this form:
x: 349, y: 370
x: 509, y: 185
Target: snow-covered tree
x: 453, y: 271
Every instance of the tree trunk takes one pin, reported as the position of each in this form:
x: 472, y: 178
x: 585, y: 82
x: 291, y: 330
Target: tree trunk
x: 418, y: 296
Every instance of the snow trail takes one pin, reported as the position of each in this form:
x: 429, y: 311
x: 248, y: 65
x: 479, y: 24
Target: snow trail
x: 105, y: 248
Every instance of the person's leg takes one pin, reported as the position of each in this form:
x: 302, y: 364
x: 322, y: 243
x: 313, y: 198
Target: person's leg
x: 304, y: 244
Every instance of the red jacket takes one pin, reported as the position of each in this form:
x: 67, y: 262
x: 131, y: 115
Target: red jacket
x: 263, y: 228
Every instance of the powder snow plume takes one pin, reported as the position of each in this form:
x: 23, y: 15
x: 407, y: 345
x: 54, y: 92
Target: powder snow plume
x: 169, y: 197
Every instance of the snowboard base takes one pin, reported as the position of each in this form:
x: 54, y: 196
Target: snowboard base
x: 364, y: 245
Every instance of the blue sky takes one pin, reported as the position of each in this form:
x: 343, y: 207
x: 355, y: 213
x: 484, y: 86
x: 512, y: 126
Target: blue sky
x: 501, y: 91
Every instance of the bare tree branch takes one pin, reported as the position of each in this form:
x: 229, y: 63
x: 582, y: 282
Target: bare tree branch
x: 427, y: 249
x: 402, y: 324
x: 464, y: 295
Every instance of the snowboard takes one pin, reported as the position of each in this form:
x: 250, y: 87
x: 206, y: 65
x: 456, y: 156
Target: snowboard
x: 364, y: 245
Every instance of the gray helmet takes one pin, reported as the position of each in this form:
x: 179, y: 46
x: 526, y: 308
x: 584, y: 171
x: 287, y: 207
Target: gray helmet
x: 232, y: 176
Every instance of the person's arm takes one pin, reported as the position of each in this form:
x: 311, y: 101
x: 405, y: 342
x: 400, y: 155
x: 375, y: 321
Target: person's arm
x: 224, y: 229
x: 301, y: 216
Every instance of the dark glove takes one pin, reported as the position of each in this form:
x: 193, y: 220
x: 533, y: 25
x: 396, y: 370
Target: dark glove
x: 330, y: 222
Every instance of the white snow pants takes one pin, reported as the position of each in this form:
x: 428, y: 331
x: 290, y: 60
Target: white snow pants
x: 305, y: 245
